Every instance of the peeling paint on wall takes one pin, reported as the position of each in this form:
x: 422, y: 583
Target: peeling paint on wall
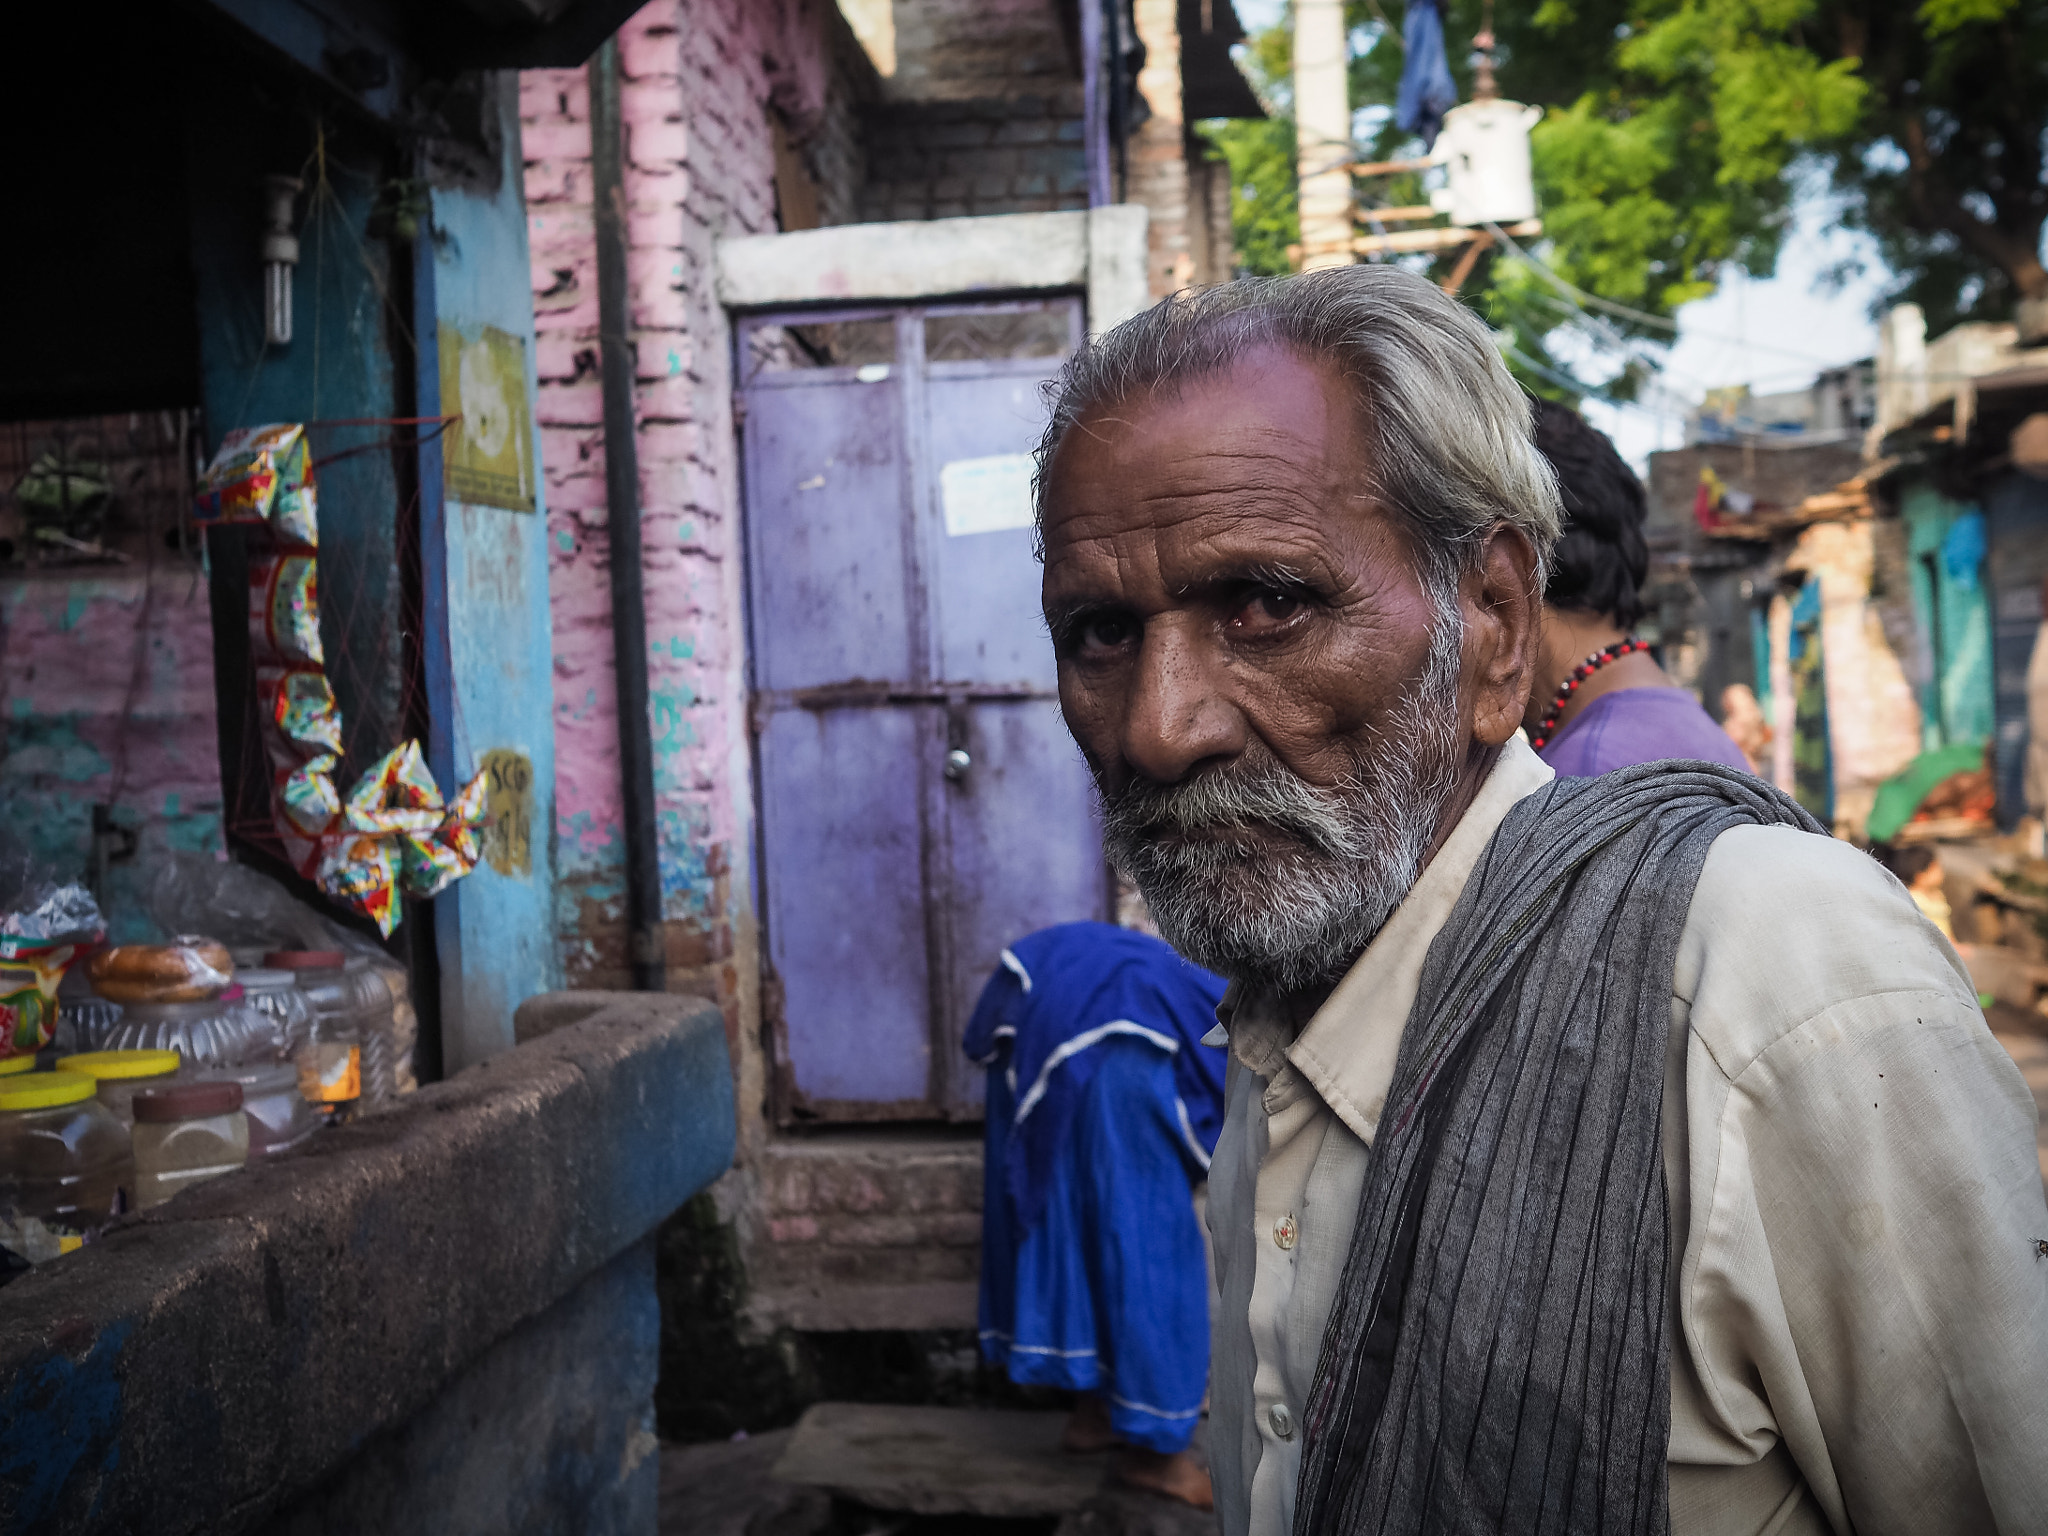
x: 106, y: 698
x: 696, y: 98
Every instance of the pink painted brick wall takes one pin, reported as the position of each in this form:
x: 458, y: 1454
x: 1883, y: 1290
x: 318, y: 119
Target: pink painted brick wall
x: 700, y: 77
x: 106, y: 697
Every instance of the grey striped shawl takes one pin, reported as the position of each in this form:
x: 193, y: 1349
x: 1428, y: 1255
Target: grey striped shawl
x: 1496, y: 1357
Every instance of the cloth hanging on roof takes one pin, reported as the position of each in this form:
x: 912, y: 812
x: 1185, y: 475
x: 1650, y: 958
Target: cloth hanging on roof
x: 1427, y: 91
x: 1103, y: 1110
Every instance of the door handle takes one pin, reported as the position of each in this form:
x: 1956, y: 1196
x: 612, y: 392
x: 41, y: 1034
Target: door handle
x: 958, y: 759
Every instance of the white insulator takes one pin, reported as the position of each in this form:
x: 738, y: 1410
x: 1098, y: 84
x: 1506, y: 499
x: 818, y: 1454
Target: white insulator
x: 1485, y: 149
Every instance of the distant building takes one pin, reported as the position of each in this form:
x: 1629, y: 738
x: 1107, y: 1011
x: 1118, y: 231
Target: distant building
x: 1840, y: 402
x: 1866, y: 556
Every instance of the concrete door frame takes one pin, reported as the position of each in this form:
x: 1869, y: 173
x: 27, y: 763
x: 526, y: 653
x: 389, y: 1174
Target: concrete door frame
x: 1100, y: 251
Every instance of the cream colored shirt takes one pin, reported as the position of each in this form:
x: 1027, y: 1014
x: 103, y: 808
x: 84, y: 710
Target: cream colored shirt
x: 1858, y: 1315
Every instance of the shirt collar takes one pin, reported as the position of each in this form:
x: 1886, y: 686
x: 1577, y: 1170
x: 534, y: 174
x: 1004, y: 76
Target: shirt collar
x: 1347, y: 1049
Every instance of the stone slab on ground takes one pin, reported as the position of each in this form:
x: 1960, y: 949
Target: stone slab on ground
x: 941, y: 1461
x: 725, y: 1488
x: 1120, y: 1511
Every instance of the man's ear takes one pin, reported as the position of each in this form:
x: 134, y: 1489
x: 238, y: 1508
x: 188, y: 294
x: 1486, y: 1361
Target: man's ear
x: 1502, y: 612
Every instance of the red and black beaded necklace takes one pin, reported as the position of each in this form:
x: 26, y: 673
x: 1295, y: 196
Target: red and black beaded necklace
x: 1547, y: 726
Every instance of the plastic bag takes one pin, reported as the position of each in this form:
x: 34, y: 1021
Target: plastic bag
x: 191, y: 968
x: 38, y: 911
x: 241, y: 908
x: 45, y: 925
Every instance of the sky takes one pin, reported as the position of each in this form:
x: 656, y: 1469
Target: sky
x: 1772, y: 334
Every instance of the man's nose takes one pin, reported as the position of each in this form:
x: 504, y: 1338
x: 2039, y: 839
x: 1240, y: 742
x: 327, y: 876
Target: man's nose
x: 1179, y: 714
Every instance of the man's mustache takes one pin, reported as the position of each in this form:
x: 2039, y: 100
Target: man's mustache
x: 1233, y: 797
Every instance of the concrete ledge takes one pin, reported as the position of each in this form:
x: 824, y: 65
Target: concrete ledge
x: 203, y: 1363
x: 910, y: 1307
x: 1101, y: 250
x: 547, y: 1012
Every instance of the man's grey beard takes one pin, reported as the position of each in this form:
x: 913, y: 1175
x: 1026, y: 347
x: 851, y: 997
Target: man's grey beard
x: 1294, y: 918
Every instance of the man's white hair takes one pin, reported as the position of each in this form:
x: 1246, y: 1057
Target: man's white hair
x: 1447, y: 428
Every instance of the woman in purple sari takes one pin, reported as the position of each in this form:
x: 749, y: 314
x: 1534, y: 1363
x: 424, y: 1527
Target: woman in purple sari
x: 1601, y: 701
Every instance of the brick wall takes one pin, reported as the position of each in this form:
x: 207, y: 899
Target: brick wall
x: 969, y: 50
x: 864, y: 1230
x: 699, y: 83
x: 837, y: 1229
x: 936, y: 160
x: 834, y: 141
x: 982, y: 114
x: 1156, y: 157
x: 106, y: 697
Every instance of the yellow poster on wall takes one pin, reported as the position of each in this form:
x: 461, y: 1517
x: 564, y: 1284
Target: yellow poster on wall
x: 508, y: 829
x: 489, y: 452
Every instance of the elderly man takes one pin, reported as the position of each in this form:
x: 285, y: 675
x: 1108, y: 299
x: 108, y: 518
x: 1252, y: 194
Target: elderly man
x: 1611, y: 1153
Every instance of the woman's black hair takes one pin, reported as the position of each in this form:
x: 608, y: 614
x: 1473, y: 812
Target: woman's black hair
x: 1602, y: 562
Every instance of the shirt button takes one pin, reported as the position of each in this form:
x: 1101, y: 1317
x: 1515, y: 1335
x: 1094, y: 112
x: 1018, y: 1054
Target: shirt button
x: 1284, y: 1231
x: 1281, y: 1420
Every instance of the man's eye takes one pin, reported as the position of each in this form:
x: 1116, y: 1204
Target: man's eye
x: 1105, y: 632
x: 1268, y: 610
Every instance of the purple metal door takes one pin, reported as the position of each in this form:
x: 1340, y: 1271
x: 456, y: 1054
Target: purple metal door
x: 921, y: 802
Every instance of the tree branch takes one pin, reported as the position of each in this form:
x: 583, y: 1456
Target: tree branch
x: 1938, y: 207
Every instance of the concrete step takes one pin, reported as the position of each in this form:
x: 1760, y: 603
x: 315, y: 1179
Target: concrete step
x: 723, y: 1488
x: 995, y: 1462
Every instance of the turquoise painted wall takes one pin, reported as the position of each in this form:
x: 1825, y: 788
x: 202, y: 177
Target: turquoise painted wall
x: 337, y: 368
x: 367, y: 308
x: 490, y: 656
x: 106, y: 698
x: 1945, y: 559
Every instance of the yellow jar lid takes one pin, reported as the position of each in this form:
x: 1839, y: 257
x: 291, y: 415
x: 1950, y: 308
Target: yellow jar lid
x: 9, y: 1065
x: 120, y: 1064
x: 45, y: 1090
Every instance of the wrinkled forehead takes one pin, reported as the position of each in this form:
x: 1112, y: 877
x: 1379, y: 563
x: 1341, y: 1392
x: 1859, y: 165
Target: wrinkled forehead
x: 1268, y: 432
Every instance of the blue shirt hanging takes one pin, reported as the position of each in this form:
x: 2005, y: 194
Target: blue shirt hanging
x: 1427, y: 91
x: 1103, y: 1111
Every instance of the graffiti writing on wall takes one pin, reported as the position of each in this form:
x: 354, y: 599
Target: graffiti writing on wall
x: 508, y: 832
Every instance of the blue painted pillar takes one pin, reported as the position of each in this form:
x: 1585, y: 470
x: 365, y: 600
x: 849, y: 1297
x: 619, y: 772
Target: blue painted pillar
x: 489, y: 664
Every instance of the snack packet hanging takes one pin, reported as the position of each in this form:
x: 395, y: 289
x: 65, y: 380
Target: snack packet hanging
x: 433, y: 862
x: 399, y: 838
x: 284, y: 607
x: 362, y: 871
x: 256, y: 468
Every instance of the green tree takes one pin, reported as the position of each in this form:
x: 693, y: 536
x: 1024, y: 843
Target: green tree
x: 1674, y: 132
x: 1263, y: 216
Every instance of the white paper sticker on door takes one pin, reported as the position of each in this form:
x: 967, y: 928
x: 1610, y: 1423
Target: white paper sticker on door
x: 986, y: 495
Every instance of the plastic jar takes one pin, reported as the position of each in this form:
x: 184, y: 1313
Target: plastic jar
x: 120, y: 1074
x: 85, y: 1024
x: 376, y: 1007
x: 279, y: 1116
x: 65, y: 1166
x: 218, y: 1032
x: 331, y: 1064
x: 83, y: 1016
x: 185, y: 1134
x: 279, y: 998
